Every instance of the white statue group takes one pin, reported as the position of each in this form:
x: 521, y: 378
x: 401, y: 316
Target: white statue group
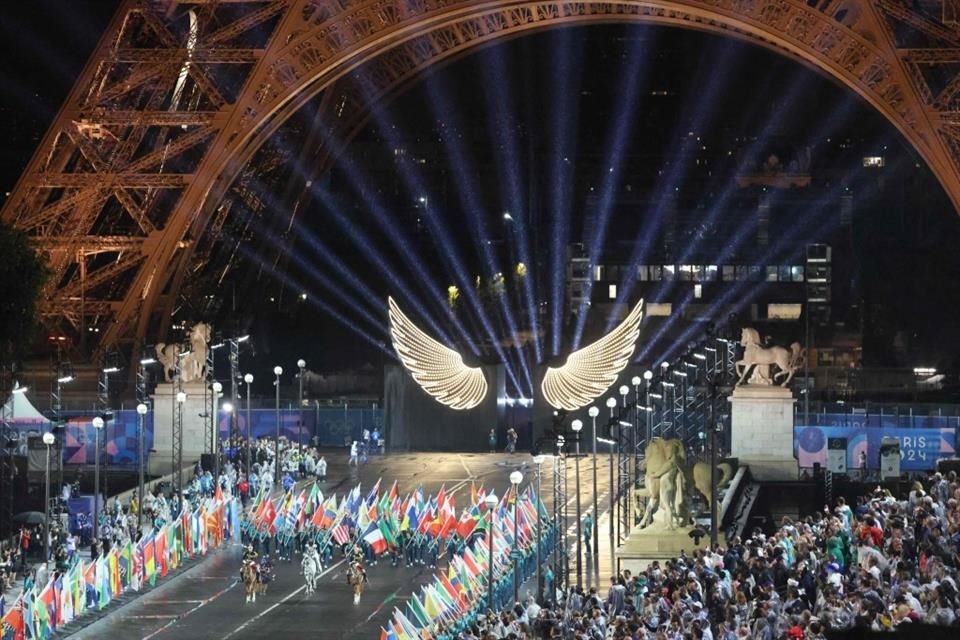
x: 192, y: 364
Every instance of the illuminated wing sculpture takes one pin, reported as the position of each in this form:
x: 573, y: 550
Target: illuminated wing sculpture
x: 589, y: 372
x: 438, y: 370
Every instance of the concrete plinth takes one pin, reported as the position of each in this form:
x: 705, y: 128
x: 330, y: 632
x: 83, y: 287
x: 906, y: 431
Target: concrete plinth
x: 643, y: 546
x: 194, y: 425
x: 761, y: 424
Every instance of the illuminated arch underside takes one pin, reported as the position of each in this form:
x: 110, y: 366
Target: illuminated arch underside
x: 315, y: 45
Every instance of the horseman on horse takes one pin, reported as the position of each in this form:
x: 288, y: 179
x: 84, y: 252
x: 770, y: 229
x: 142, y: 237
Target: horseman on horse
x: 250, y: 573
x: 311, y: 567
x: 357, y: 575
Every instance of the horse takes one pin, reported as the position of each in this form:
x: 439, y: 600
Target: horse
x: 194, y: 364
x: 356, y: 579
x: 167, y: 356
x: 311, y: 571
x: 251, y: 581
x: 755, y: 355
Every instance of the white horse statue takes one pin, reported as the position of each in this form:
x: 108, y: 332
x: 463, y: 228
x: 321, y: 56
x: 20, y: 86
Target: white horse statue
x: 167, y: 355
x: 311, y: 569
x: 755, y: 355
x: 194, y: 365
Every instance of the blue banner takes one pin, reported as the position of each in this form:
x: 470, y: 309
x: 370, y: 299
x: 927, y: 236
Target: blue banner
x: 920, y: 448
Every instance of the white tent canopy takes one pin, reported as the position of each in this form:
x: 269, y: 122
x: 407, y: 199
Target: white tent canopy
x: 18, y: 408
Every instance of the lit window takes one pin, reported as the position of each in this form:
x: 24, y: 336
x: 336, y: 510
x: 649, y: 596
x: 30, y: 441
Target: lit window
x: 729, y: 274
x: 698, y: 291
x: 711, y: 273
x: 771, y: 274
x: 873, y: 161
x: 797, y: 273
x: 659, y: 308
x: 612, y: 291
x: 668, y: 272
x: 783, y: 311
x: 598, y: 273
x: 643, y: 273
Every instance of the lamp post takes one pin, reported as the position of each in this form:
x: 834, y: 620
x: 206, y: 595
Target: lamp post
x: 301, y: 364
x: 97, y: 428
x: 612, y: 443
x: 48, y: 439
x: 248, y: 379
x: 538, y: 460
x: 277, y: 372
x: 178, y: 463
x: 141, y: 414
x: 577, y: 426
x: 215, y: 422
x: 611, y: 404
x: 593, y: 412
x: 515, y: 478
x: 648, y: 377
x: 227, y: 408
x: 491, y: 502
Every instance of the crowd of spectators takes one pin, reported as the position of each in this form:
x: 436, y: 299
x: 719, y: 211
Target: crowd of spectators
x: 880, y: 563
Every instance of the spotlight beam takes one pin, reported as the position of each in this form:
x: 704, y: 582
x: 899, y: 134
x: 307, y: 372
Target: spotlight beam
x: 739, y: 288
x: 567, y: 73
x: 462, y: 171
x: 439, y: 231
x: 616, y: 145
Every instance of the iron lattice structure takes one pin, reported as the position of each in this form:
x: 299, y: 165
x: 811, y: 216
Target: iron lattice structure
x: 162, y: 156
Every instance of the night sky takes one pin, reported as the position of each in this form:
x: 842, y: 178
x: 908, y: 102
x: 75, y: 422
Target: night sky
x: 731, y: 90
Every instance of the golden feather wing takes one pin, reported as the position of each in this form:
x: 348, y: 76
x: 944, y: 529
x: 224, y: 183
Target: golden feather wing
x: 438, y: 370
x: 589, y: 372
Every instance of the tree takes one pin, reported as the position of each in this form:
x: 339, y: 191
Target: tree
x: 22, y: 274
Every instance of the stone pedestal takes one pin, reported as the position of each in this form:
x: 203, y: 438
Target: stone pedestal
x: 643, y: 546
x: 761, y: 424
x: 194, y: 426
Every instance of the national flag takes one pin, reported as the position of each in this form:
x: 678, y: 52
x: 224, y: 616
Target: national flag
x: 448, y: 525
x: 14, y: 627
x: 374, y: 537
x: 267, y: 518
x: 160, y: 551
x: 314, y: 500
x: 187, y: 528
x: 431, y: 606
x: 387, y: 635
x: 473, y: 492
x: 341, y: 533
x: 419, y: 613
x: 411, y: 519
x: 217, y: 493
x: 468, y: 522
x: 374, y: 493
x: 387, y: 530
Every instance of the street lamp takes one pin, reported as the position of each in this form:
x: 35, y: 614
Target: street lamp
x: 593, y: 412
x: 491, y: 502
x: 141, y: 413
x: 48, y: 439
x: 577, y: 426
x: 515, y: 478
x: 248, y: 379
x: 215, y: 424
x: 624, y: 390
x: 301, y: 363
x: 277, y: 371
x: 178, y: 461
x: 648, y: 377
x: 97, y: 428
x: 612, y: 443
x: 538, y: 460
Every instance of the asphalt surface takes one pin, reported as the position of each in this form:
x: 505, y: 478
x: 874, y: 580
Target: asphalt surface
x: 207, y: 601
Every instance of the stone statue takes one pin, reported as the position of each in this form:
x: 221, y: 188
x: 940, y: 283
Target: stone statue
x: 167, y: 355
x: 701, y: 478
x: 758, y: 358
x: 194, y: 365
x: 665, y: 482
x: 667, y: 479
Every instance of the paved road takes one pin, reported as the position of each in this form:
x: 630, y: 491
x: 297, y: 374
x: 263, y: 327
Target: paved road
x: 208, y: 602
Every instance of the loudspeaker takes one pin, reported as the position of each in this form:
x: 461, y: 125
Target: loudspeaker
x: 206, y: 461
x: 817, y: 470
